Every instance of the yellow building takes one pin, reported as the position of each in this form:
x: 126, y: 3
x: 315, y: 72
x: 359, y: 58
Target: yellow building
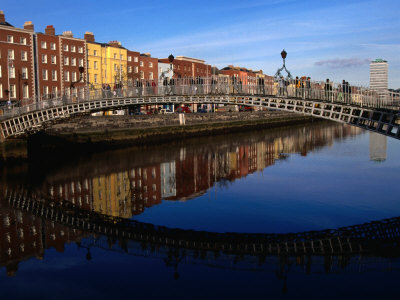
x: 107, y: 63
x: 94, y: 73
x: 111, y: 195
x: 114, y: 66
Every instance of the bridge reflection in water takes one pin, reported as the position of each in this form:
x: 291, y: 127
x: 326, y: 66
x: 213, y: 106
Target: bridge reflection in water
x: 92, y: 206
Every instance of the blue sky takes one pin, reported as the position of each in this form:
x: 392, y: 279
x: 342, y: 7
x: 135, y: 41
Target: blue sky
x: 324, y: 39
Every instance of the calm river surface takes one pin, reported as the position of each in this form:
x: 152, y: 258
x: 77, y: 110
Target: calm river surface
x: 102, y: 225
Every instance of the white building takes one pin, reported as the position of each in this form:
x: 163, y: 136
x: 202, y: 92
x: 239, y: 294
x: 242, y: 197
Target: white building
x: 164, y: 71
x: 378, y: 74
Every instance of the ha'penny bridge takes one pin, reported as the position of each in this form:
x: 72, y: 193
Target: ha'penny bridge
x: 379, y: 238
x: 364, y: 108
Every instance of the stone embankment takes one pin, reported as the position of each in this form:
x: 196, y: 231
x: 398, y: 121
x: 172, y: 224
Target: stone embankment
x: 163, y: 127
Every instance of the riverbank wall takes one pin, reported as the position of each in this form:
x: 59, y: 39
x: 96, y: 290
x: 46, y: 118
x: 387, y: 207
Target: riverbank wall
x: 86, y: 134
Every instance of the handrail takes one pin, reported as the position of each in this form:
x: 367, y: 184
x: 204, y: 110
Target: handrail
x: 312, y: 90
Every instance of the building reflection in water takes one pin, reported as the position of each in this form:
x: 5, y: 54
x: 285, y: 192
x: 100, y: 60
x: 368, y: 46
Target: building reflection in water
x: 127, y: 189
x: 377, y: 146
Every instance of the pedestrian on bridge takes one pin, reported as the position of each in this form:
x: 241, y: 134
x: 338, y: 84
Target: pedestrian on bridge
x: 328, y: 90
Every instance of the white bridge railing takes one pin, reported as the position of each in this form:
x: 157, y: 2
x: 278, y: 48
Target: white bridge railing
x: 311, y: 90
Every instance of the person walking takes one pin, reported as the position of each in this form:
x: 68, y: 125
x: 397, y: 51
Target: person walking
x: 328, y: 90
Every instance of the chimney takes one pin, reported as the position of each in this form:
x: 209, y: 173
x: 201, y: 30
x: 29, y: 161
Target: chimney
x: 2, y: 17
x: 29, y: 26
x: 68, y: 34
x: 89, y: 36
x: 114, y: 43
x: 50, y: 30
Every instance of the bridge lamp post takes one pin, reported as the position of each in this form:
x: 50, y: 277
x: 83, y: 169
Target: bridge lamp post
x: 10, y: 64
x: 171, y: 66
x: 81, y: 70
x: 278, y: 73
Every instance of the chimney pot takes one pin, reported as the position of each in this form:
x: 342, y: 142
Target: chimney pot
x: 2, y: 17
x: 29, y: 26
x: 50, y: 30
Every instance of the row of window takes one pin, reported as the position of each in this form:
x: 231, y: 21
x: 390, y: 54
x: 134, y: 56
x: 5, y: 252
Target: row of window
x: 11, y: 55
x: 45, y: 75
x: 66, y: 47
x: 12, y: 91
x: 135, y: 58
x: 22, y: 40
x: 11, y: 72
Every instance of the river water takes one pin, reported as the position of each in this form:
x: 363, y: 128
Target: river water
x: 304, y: 180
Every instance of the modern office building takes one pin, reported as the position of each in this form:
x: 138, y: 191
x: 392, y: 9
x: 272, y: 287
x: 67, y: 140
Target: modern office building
x: 378, y: 74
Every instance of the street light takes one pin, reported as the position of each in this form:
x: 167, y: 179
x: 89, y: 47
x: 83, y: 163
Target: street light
x: 278, y: 73
x: 81, y: 70
x: 171, y: 60
x: 9, y: 65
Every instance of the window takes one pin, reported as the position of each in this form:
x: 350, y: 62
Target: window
x: 44, y: 58
x: 10, y: 39
x: 141, y: 75
x: 141, y: 63
x: 24, y: 73
x: 12, y: 91
x: 22, y: 41
x: 115, y: 55
x: 95, y: 52
x: 115, y: 67
x: 95, y: 78
x: 0, y: 73
x: 73, y: 61
x: 80, y: 49
x: 54, y: 75
x: 45, y: 90
x: 54, y: 91
x: 73, y: 76
x: 129, y: 69
x: 66, y: 61
x: 129, y: 58
x: 95, y: 65
x: 25, y: 91
x: 65, y: 47
x: 44, y: 45
x: 135, y: 59
x: 150, y: 64
x: 121, y: 57
x: 53, y: 46
x: 53, y: 59
x: 24, y: 56
x: 66, y: 76
x: 11, y: 54
x: 81, y: 62
x: 11, y: 70
x: 151, y: 76
x: 73, y: 48
x: 44, y: 74
x: 136, y: 70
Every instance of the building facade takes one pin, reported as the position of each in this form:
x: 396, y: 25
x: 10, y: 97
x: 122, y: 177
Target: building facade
x: 37, y: 66
x: 378, y: 74
x: 17, y: 68
x: 187, y: 67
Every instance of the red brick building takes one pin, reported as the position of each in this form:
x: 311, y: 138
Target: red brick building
x: 246, y: 76
x: 40, y: 65
x: 133, y: 66
x: 148, y: 67
x: 73, y: 57
x: 17, y: 72
x: 58, y: 62
x: 186, y: 67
